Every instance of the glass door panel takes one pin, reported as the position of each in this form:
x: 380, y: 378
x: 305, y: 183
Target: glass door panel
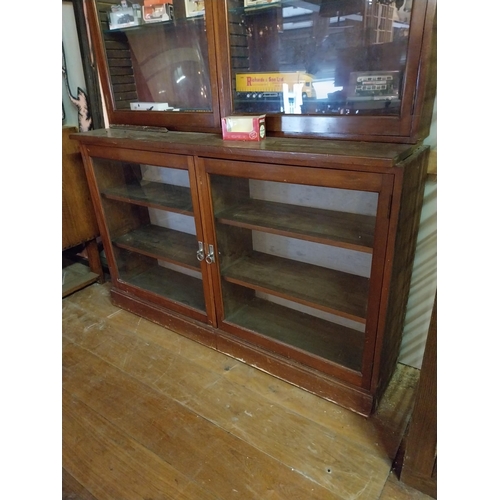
x: 157, y: 55
x: 295, y: 265
x: 149, y: 216
x: 322, y: 57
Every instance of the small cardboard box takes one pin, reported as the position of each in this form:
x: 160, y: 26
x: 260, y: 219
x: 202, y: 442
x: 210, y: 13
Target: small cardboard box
x: 150, y: 106
x: 123, y: 17
x: 194, y: 8
x: 244, y: 128
x: 154, y: 11
x: 254, y: 3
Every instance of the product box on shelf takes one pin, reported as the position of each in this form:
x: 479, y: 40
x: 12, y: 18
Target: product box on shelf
x: 244, y: 128
x: 194, y: 8
x: 123, y: 16
x: 154, y: 12
x: 260, y: 3
x: 150, y: 106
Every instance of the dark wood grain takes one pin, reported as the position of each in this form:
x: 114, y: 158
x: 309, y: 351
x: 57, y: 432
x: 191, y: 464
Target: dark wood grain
x: 162, y: 243
x: 139, y: 45
x: 201, y: 307
x: 168, y: 283
x: 329, y: 227
x: 313, y: 335
x: 225, y: 48
x: 332, y: 291
x: 157, y: 282
x: 301, y: 152
x: 122, y: 218
x: 154, y: 194
x: 404, y: 222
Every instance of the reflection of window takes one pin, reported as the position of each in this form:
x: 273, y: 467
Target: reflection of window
x: 325, y: 87
x: 331, y: 8
x: 379, y: 23
x: 179, y: 75
x: 331, y: 40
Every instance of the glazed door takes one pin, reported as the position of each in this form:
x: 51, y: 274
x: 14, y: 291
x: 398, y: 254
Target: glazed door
x: 299, y: 259
x: 158, y: 62
x: 151, y: 227
x: 344, y: 68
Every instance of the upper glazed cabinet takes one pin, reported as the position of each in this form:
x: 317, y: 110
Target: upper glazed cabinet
x: 347, y: 69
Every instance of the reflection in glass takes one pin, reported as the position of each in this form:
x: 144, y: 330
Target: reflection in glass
x: 149, y: 217
x: 318, y: 57
x: 158, y: 61
x: 295, y: 263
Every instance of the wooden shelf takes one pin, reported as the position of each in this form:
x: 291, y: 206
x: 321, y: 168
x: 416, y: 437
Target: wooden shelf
x: 162, y: 243
x: 170, y: 284
x: 346, y: 230
x: 332, y: 291
x: 75, y: 277
x: 326, y: 340
x: 154, y: 195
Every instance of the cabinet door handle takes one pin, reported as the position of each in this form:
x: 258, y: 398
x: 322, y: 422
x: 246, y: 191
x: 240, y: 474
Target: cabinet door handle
x: 210, y: 258
x: 200, y: 254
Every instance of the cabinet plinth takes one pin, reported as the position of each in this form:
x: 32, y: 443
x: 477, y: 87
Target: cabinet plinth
x: 295, y: 263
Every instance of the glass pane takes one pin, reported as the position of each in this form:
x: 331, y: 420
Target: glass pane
x: 295, y: 263
x: 157, y: 55
x: 318, y: 57
x: 149, y: 216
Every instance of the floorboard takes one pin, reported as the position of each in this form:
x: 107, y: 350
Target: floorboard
x: 149, y: 414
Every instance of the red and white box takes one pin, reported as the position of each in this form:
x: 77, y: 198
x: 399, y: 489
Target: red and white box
x: 244, y: 128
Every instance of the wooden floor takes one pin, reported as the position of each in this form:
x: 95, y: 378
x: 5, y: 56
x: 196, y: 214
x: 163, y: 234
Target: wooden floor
x: 150, y: 415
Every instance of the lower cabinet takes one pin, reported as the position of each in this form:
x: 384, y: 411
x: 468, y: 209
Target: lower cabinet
x: 293, y: 255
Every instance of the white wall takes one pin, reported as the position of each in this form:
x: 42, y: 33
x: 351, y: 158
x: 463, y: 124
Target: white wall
x: 424, y: 277
x: 73, y: 63
x: 423, y: 283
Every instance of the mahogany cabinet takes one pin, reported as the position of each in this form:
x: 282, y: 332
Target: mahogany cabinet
x: 293, y: 255
x: 342, y: 69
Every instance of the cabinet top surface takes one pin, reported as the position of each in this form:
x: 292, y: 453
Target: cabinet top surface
x: 284, y: 149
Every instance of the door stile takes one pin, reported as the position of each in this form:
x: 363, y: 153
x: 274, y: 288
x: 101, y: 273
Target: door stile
x: 377, y: 276
x: 213, y: 289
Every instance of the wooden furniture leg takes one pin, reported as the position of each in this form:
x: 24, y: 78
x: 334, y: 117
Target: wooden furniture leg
x: 94, y: 259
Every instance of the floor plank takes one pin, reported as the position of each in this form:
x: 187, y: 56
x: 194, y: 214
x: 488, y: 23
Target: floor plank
x: 72, y: 489
x: 113, y: 465
x: 396, y: 490
x: 224, y: 427
x: 218, y: 461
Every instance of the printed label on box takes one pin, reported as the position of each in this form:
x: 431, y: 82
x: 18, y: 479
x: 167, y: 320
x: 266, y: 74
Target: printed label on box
x: 244, y: 128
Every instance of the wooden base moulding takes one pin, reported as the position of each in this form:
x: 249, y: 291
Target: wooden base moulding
x: 352, y: 398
